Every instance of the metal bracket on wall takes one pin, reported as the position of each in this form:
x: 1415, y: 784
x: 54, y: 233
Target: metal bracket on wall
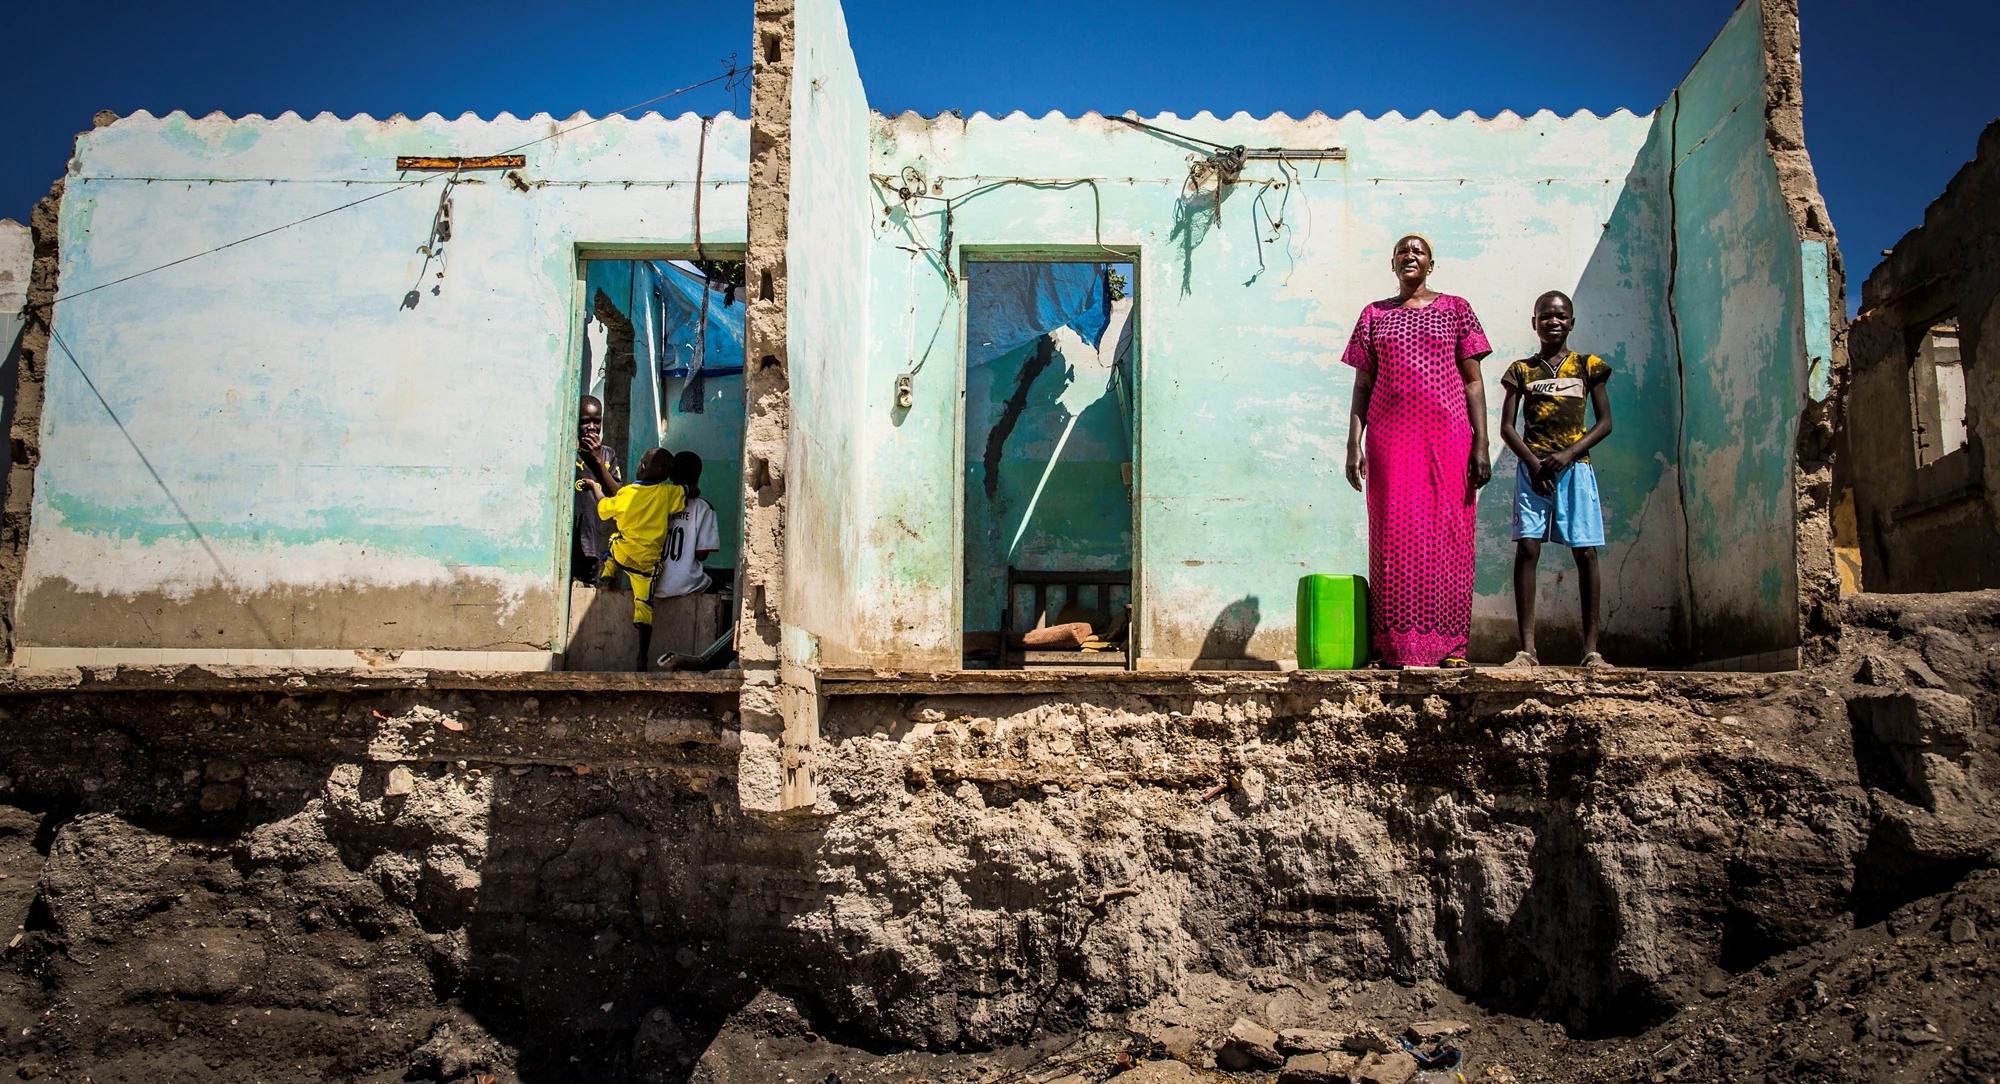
x: 491, y: 161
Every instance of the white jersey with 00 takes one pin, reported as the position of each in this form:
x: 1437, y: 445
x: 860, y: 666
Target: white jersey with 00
x: 690, y: 532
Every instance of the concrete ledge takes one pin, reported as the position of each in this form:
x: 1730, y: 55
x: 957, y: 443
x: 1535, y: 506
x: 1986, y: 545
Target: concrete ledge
x: 20, y: 679
x: 1763, y: 662
x: 316, y: 658
x: 1559, y: 680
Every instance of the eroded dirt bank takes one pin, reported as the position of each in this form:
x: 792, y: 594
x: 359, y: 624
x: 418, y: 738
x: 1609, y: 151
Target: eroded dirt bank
x: 1607, y: 878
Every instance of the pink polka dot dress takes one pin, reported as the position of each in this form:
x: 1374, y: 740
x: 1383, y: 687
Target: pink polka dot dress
x: 1421, y: 508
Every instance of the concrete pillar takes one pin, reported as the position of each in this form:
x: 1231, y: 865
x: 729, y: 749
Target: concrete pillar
x: 780, y: 705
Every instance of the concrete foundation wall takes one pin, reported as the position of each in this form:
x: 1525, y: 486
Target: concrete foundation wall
x: 17, y: 265
x: 353, y: 452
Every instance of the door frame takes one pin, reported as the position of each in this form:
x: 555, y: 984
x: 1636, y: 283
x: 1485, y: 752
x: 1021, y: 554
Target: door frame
x: 1038, y: 253
x: 572, y: 386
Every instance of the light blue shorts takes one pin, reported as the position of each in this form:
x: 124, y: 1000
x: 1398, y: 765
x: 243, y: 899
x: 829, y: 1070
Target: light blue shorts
x: 1573, y: 517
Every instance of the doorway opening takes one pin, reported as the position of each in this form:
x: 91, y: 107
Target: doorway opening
x: 1050, y: 405
x: 1937, y: 392
x: 660, y: 366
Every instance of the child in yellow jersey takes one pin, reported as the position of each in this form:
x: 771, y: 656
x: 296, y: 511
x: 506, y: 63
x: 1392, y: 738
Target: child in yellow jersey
x: 640, y: 511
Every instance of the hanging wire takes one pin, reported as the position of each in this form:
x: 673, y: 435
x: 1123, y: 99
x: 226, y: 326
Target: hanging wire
x: 732, y: 74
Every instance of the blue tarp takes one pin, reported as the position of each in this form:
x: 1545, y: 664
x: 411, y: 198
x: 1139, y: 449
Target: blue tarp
x: 1013, y: 304
x: 680, y: 289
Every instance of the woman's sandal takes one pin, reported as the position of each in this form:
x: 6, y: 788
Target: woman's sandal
x: 1454, y: 662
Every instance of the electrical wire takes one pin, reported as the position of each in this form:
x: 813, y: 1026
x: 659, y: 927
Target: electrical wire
x: 732, y: 73
x: 1183, y: 137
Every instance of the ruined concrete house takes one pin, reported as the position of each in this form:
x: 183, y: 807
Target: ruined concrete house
x: 1918, y: 512
x: 289, y: 535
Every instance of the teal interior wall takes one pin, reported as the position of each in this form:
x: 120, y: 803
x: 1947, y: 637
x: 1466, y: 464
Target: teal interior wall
x: 1058, y: 498
x: 629, y: 285
x: 1738, y: 297
x: 826, y: 329
x: 715, y: 434
x: 373, y: 456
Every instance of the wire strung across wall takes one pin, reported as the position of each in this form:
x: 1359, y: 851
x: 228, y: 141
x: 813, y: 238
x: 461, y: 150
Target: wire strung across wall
x: 908, y: 192
x: 731, y: 75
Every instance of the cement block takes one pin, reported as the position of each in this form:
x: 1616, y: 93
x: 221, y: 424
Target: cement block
x: 1397, y: 1068
x: 1922, y: 718
x: 1322, y: 1068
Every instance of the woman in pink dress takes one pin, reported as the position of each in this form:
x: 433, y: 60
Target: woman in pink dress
x: 1421, y: 402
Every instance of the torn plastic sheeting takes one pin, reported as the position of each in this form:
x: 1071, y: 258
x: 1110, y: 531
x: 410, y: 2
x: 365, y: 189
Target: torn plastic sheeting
x: 1013, y: 304
x: 721, y: 353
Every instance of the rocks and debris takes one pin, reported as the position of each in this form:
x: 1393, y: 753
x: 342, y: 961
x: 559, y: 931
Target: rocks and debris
x: 1429, y: 1031
x: 399, y: 782
x: 1172, y: 1040
x: 1159, y: 1072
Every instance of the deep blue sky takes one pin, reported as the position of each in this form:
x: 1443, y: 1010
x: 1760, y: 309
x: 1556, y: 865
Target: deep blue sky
x: 1896, y: 94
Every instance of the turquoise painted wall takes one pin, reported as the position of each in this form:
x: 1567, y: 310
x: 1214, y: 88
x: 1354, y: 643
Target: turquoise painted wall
x: 1241, y: 396
x: 327, y: 439
x: 827, y: 248
x: 1738, y: 298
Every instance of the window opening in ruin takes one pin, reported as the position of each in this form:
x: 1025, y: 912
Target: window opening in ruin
x: 1049, y: 436
x: 1937, y: 393
x: 662, y: 355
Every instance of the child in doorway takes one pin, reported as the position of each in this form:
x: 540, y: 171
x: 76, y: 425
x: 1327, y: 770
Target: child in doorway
x: 1555, y: 489
x: 640, y: 510
x: 691, y: 534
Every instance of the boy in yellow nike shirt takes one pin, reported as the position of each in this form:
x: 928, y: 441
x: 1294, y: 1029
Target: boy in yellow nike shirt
x: 1555, y: 487
x: 640, y: 510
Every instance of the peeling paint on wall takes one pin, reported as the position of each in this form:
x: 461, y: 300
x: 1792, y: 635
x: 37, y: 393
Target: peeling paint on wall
x: 1737, y: 301
x: 827, y: 337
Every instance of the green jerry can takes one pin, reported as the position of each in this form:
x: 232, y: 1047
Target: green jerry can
x: 1333, y: 622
